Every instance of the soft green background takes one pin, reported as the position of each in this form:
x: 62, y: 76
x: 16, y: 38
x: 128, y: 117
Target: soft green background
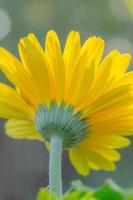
x: 24, y: 164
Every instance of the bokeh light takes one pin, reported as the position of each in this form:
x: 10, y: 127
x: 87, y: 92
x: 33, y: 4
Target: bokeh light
x: 5, y: 23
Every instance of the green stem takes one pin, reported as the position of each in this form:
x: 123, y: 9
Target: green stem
x: 55, y: 178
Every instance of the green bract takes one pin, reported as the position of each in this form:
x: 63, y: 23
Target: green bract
x: 61, y: 120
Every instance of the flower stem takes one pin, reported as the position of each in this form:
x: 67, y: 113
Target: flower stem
x: 55, y: 178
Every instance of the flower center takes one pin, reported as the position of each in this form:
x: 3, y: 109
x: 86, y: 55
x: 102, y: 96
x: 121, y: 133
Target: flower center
x: 61, y: 120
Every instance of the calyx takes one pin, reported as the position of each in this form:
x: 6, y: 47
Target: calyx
x: 63, y: 121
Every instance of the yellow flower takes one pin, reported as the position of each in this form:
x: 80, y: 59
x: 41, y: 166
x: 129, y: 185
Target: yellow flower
x: 99, y: 93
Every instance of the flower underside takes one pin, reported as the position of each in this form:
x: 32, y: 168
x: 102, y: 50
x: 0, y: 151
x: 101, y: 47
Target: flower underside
x: 61, y: 120
x: 79, y: 75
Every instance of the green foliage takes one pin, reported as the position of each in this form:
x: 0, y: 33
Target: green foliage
x: 79, y: 191
x: 110, y: 191
x: 44, y: 194
x: 129, y: 4
x: 78, y: 195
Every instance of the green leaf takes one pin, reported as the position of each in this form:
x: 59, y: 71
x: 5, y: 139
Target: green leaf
x: 79, y: 191
x: 74, y: 194
x: 129, y: 193
x: 110, y: 191
x: 78, y: 195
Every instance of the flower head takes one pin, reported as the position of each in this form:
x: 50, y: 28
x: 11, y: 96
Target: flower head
x: 71, y: 92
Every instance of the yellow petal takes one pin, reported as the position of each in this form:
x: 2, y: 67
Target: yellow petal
x: 121, y: 64
x: 72, y: 49
x: 126, y: 79
x: 110, y: 71
x: 116, y: 97
x: 108, y: 153
x: 55, y: 59
x: 110, y: 141
x: 17, y: 74
x: 118, y: 62
x: 22, y: 129
x: 121, y: 127
x: 103, y: 77
x: 91, y: 54
x: 79, y: 161
x: 71, y: 55
x: 99, y: 160
x: 12, y: 105
x: 112, y: 114
x: 93, y: 48
x: 35, y: 41
x: 33, y: 59
x: 83, y: 86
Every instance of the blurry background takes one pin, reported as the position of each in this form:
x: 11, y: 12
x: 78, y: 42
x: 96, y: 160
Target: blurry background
x: 24, y: 164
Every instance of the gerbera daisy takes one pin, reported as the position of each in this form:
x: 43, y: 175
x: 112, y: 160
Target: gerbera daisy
x: 73, y: 93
